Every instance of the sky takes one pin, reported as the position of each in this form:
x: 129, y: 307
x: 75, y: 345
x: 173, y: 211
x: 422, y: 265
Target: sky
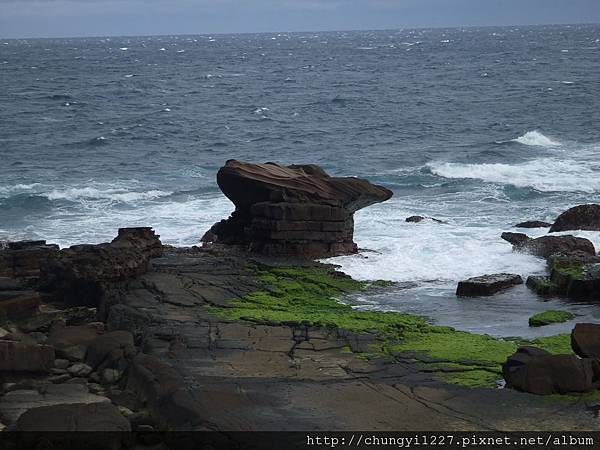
x: 66, y: 18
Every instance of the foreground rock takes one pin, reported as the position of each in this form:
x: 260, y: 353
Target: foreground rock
x: 534, y: 370
x: 585, y: 340
x: 486, y: 285
x: 291, y: 210
x: 547, y: 246
x: 582, y: 217
x: 73, y: 417
x: 533, y: 224
x: 87, y: 275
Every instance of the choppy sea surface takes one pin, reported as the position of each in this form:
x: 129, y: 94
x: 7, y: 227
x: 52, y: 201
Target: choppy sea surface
x: 479, y: 127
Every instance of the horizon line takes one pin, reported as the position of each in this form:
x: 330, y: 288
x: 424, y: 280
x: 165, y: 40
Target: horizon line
x: 300, y: 31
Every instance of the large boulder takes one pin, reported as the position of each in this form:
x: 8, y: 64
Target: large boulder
x: 486, y: 285
x: 534, y: 370
x: 294, y: 210
x: 582, y: 217
x: 110, y: 350
x: 585, y: 340
x: 547, y: 246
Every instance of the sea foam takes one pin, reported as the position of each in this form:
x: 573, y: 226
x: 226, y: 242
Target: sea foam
x: 535, y: 138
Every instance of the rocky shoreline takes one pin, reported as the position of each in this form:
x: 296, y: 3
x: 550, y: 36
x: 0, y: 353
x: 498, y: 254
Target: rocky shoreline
x: 134, y: 335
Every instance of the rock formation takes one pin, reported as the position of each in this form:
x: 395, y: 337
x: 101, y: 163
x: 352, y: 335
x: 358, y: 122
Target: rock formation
x: 585, y: 340
x: 547, y: 246
x: 533, y: 224
x: 582, y: 217
x: 486, y: 285
x: 295, y: 210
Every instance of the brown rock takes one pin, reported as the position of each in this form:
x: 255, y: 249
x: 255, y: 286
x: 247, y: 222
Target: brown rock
x: 582, y: 217
x: 533, y: 224
x: 486, y: 285
x: 585, y: 340
x: 536, y: 371
x: 109, y: 348
x: 15, y: 304
x: 17, y: 356
x: 294, y: 210
x: 547, y: 246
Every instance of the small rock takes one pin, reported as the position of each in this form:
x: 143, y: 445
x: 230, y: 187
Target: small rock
x: 3, y: 333
x: 80, y: 370
x: 415, y: 219
x: 38, y: 337
x: 75, y: 353
x: 95, y: 377
x: 77, y: 380
x: 110, y: 376
x: 56, y: 371
x: 486, y: 285
x: 61, y: 363
x: 143, y: 428
x: 95, y: 388
x: 533, y: 224
x: 59, y: 378
x: 125, y: 411
x: 7, y: 387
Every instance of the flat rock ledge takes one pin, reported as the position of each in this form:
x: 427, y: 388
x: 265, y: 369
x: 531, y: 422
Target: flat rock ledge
x: 296, y: 210
x: 487, y: 285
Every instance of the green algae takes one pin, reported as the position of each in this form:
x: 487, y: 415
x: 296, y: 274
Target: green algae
x: 549, y: 317
x: 559, y: 344
x: 317, y: 296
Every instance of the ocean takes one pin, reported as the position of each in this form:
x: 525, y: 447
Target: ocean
x: 479, y: 127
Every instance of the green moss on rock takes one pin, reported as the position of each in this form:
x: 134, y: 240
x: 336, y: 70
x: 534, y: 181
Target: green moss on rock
x: 549, y: 317
x: 311, y: 296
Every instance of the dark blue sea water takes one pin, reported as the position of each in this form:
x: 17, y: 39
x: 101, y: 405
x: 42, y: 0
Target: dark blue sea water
x: 480, y: 127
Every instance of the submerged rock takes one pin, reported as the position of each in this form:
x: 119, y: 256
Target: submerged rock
x: 550, y: 317
x: 582, y: 217
x: 294, y: 210
x: 585, y: 340
x: 534, y: 370
x: 533, y: 224
x: 547, y: 246
x: 486, y: 285
x: 417, y: 219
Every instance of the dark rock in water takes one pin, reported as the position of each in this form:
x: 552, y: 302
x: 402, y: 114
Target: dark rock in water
x: 517, y: 239
x: 417, y: 219
x: 486, y: 285
x: 547, y: 246
x: 76, y: 417
x: 541, y: 285
x: 83, y: 274
x: 291, y: 210
x: 582, y: 217
x: 576, y: 276
x: 18, y: 356
x: 534, y: 370
x: 585, y: 340
x: 533, y: 224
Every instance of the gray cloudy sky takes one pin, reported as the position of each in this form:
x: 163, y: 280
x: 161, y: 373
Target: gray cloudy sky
x: 53, y: 18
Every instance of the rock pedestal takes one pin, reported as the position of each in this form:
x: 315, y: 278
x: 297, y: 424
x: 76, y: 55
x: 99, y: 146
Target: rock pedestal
x: 291, y: 210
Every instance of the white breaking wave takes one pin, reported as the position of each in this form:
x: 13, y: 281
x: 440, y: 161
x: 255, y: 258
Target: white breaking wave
x: 117, y: 195
x: 537, y: 139
x: 543, y: 174
x: 428, y: 251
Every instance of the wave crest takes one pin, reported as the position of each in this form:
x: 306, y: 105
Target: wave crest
x: 536, y: 139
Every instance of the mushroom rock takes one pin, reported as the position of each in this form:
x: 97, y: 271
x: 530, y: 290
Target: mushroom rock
x: 296, y: 210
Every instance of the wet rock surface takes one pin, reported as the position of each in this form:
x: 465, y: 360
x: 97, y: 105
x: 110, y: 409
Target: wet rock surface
x: 585, y: 340
x: 547, y: 246
x: 487, y: 285
x: 291, y: 210
x: 533, y: 224
x: 582, y: 217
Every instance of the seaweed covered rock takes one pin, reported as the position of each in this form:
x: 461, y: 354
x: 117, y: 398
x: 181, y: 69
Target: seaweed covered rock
x: 585, y: 340
x: 550, y: 317
x: 576, y: 276
x: 582, y: 217
x: 486, y: 285
x: 547, y: 246
x: 295, y: 210
x: 534, y: 370
x: 82, y: 274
